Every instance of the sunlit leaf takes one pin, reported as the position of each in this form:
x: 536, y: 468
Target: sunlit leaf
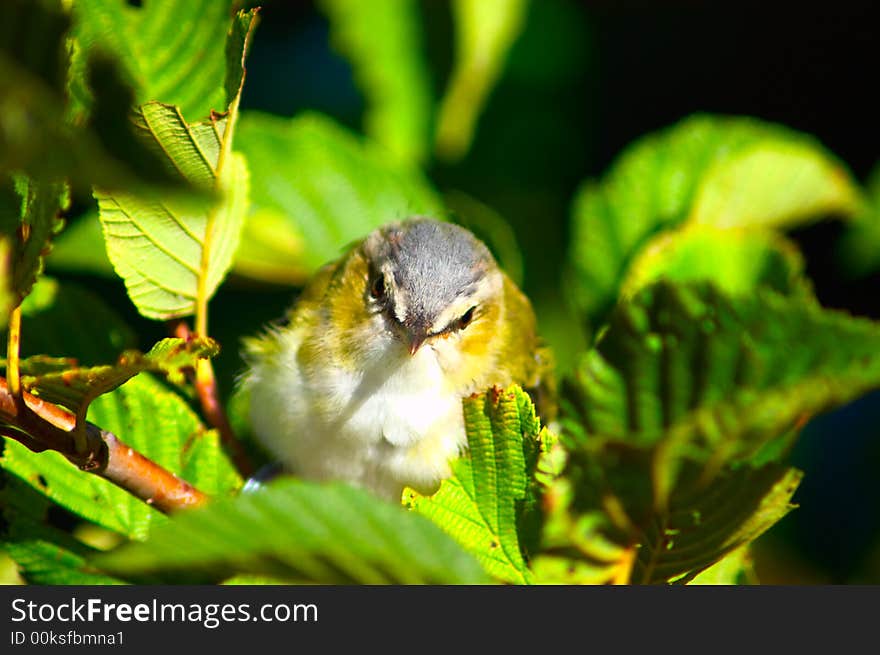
x: 389, y: 70
x: 732, y: 569
x: 300, y: 532
x: 485, y: 30
x: 718, y: 171
x: 61, y: 381
x: 174, y: 251
x: 486, y: 502
x: 735, y: 260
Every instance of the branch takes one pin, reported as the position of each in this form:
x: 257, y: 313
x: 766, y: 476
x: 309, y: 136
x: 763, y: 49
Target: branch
x: 41, y: 426
x: 212, y: 409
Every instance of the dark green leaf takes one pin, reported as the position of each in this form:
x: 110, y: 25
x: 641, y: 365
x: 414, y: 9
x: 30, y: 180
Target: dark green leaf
x: 35, y: 137
x: 41, y: 204
x: 703, y: 527
x: 685, y: 394
x: 42, y: 553
x: 80, y: 248
x: 59, y: 319
x: 171, y: 51
x: 304, y: 532
x: 860, y: 246
x: 687, y: 359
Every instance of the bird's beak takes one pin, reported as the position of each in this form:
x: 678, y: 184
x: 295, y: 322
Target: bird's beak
x: 416, y: 339
x: 416, y: 333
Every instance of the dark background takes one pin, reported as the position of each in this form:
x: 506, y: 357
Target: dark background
x: 583, y: 81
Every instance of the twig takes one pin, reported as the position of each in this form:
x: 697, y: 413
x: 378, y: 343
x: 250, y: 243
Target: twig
x: 40, y: 426
x: 209, y: 397
x: 212, y: 409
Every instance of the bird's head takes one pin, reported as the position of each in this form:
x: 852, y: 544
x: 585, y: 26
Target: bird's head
x: 432, y: 281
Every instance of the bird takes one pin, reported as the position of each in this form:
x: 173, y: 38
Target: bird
x: 364, y: 379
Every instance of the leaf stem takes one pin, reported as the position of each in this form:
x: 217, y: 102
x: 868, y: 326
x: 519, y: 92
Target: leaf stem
x: 41, y: 426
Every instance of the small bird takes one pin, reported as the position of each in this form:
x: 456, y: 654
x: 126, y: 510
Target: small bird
x: 364, y: 382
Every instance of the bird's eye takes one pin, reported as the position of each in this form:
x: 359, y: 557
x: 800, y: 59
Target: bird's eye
x: 466, y: 318
x: 377, y: 288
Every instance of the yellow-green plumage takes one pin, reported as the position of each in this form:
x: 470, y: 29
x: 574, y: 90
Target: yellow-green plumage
x: 365, y: 382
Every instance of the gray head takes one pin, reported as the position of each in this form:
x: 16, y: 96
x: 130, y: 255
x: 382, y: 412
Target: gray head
x: 428, y: 277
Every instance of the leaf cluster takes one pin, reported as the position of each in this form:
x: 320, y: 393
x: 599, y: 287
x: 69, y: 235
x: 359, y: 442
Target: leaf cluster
x: 708, y: 350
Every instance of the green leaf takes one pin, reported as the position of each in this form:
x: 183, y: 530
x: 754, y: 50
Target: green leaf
x: 38, y: 222
x: 316, y: 188
x: 732, y: 569
x: 485, y: 505
x: 169, y: 50
x: 42, y: 553
x: 684, y: 405
x: 44, y: 562
x: 719, y: 171
x: 687, y: 365
x: 737, y: 261
x: 703, y: 527
x: 151, y: 419
x: 29, y: 77
x: 782, y: 182
x: 859, y: 248
x: 485, y: 30
x: 60, y: 381
x: 205, y: 464
x: 171, y: 252
x: 35, y: 137
x: 302, y: 532
x: 383, y: 42
x: 174, y: 252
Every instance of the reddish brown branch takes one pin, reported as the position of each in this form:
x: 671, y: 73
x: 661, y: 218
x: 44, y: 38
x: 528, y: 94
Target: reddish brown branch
x: 43, y: 426
x: 212, y: 409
